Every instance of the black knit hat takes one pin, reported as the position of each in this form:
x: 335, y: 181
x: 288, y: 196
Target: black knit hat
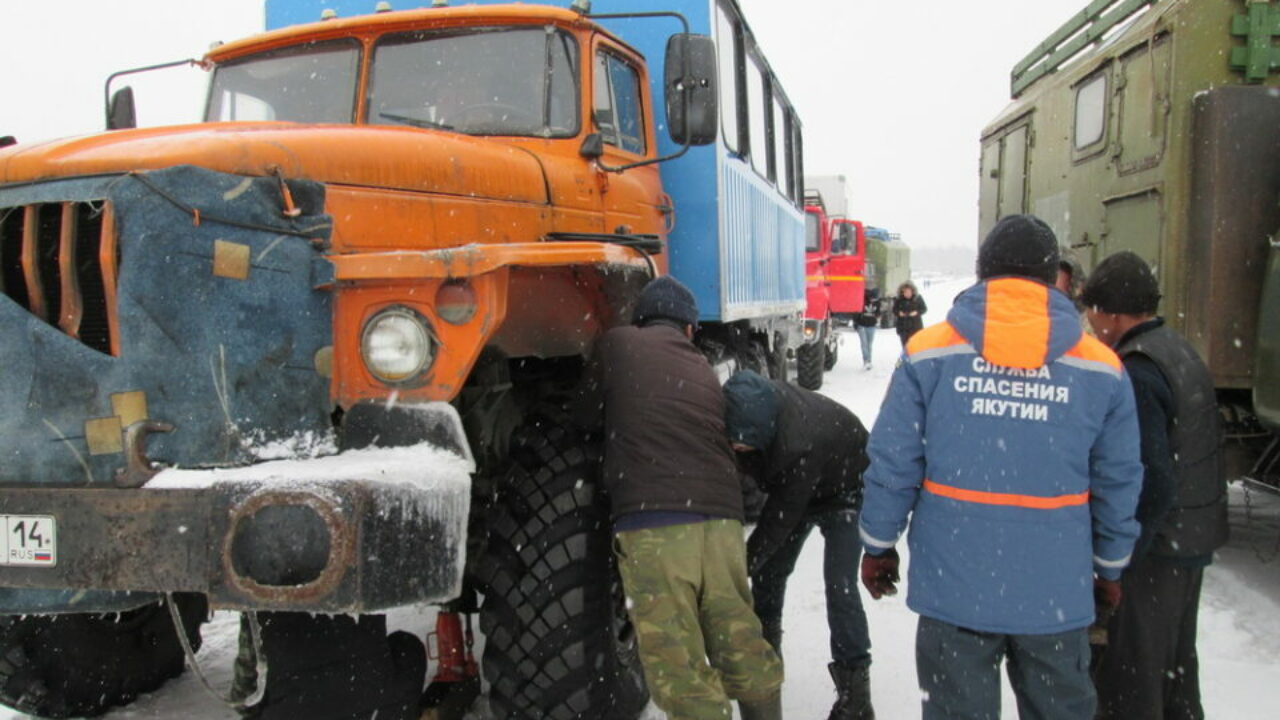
x: 750, y: 409
x: 666, y: 297
x: 1122, y: 284
x: 1019, y: 245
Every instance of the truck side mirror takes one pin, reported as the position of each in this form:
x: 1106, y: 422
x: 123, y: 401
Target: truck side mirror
x: 592, y: 146
x: 121, y: 113
x: 691, y: 94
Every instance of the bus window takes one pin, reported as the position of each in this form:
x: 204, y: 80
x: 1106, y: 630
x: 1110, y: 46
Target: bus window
x: 728, y: 43
x: 758, y: 142
x: 783, y: 171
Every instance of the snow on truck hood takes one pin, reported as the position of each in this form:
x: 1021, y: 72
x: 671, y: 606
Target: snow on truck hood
x: 411, y: 159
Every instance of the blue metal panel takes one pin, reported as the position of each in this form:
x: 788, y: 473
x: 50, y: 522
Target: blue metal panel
x: 227, y: 361
x: 282, y: 13
x: 763, y: 247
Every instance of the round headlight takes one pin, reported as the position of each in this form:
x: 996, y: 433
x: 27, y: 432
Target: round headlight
x: 396, y: 345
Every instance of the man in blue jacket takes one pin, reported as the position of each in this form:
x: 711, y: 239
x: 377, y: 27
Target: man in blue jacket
x: 1009, y: 439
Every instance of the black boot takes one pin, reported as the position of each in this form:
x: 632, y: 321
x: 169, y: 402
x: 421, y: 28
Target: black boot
x: 853, y: 684
x: 768, y: 709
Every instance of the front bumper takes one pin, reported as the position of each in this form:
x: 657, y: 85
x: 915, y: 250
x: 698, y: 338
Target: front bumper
x: 253, y: 541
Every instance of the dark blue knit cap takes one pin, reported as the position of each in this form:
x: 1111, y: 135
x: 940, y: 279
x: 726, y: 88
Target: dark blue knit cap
x: 750, y: 409
x: 1022, y: 245
x: 666, y: 297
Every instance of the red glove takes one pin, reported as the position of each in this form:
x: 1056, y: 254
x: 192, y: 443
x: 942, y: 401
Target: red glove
x: 880, y: 573
x: 1106, y: 596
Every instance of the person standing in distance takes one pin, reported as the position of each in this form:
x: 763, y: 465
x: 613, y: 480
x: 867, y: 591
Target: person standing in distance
x: 866, y: 323
x: 809, y: 452
x: 1008, y: 439
x: 1149, y: 669
x: 908, y: 311
x: 676, y: 503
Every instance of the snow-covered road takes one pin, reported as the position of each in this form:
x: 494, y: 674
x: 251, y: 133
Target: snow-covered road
x: 1239, y: 620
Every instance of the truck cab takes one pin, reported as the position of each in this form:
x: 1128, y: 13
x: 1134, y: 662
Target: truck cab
x: 846, y: 269
x: 821, y: 348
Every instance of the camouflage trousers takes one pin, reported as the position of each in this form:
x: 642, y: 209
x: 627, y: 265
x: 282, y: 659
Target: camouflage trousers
x: 689, y: 599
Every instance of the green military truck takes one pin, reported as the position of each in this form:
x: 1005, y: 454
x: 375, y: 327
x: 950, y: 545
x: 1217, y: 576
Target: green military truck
x: 1154, y: 126
x: 888, y: 266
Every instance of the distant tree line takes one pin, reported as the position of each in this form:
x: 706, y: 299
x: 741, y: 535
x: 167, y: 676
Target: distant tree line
x: 945, y: 260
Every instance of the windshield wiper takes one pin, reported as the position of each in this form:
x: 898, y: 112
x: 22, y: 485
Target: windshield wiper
x: 415, y: 122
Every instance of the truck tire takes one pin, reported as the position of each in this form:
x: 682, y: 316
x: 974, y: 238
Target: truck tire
x: 82, y: 664
x: 833, y: 352
x: 779, y: 367
x: 810, y: 359
x: 558, y: 643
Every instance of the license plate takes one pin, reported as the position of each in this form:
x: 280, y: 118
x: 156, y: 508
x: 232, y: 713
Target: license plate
x: 29, y: 540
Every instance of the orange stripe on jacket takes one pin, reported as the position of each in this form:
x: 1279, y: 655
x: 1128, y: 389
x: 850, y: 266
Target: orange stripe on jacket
x: 1091, y: 348
x: 934, y: 337
x: 993, y: 498
x: 1016, y: 327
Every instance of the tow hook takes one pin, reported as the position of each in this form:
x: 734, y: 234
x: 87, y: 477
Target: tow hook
x: 138, y: 469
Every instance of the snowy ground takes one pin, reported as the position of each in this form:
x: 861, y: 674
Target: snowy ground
x: 1239, y: 618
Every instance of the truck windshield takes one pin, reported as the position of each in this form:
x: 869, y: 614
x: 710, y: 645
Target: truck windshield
x: 479, y: 81
x: 311, y: 83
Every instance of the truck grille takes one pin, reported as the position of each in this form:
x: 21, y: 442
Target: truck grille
x: 60, y: 261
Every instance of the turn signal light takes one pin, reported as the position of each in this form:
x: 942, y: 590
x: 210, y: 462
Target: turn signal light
x: 456, y: 302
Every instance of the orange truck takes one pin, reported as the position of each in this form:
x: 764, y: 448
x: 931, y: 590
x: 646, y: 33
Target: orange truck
x: 310, y: 359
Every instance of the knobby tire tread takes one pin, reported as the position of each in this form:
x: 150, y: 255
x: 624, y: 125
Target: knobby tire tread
x: 550, y: 586
x: 809, y: 362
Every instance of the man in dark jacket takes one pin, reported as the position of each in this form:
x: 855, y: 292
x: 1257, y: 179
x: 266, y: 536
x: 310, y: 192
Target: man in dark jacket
x: 1149, y: 668
x: 677, y: 516
x: 808, y: 452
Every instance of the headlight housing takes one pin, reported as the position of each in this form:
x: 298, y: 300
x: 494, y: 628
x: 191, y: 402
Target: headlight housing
x: 397, y: 345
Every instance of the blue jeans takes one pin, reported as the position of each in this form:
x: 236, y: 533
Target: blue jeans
x: 850, y: 641
x: 959, y: 673
x: 865, y: 336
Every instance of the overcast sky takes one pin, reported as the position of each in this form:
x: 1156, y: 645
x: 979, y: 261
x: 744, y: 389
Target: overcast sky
x: 892, y: 95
